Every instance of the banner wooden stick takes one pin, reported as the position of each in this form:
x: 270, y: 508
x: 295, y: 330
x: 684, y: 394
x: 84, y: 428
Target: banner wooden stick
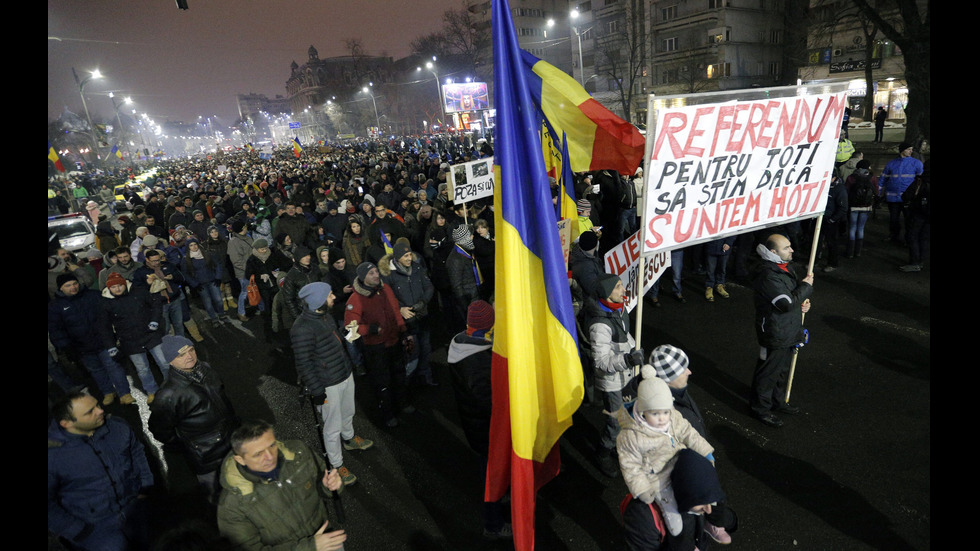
x: 809, y: 270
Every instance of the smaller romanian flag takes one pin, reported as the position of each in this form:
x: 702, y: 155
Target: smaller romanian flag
x: 297, y: 148
x: 115, y: 151
x: 249, y: 147
x: 53, y: 157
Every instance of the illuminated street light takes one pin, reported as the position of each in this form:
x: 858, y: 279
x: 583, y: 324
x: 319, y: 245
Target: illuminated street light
x: 377, y: 119
x: 81, y: 92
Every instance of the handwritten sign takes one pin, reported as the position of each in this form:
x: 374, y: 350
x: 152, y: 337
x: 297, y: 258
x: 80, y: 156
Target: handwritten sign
x: 624, y: 261
x: 471, y: 181
x: 727, y: 168
x: 565, y: 236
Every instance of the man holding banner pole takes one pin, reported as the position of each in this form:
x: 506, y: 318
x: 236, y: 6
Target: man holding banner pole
x: 781, y: 299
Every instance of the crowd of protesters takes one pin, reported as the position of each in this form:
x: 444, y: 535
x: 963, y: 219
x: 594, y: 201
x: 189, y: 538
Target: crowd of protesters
x: 360, y: 241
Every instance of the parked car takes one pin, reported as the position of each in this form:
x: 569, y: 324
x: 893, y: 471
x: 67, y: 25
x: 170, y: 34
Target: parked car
x: 75, y: 232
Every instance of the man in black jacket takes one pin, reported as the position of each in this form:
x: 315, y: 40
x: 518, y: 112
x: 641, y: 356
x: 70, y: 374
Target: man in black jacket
x: 469, y: 358
x: 326, y: 372
x: 192, y: 414
x: 781, y: 299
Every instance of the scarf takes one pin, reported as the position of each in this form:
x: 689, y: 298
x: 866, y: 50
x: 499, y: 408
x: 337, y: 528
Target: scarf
x: 262, y: 256
x: 476, y: 266
x: 615, y: 306
x: 638, y: 417
x: 196, y: 374
x: 160, y: 277
x: 199, y: 254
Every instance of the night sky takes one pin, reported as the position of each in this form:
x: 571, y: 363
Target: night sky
x: 178, y: 64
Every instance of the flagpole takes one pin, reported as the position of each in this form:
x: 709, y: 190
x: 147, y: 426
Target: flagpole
x: 809, y: 270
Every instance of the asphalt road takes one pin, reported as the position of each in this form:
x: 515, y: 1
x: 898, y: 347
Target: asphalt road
x: 851, y: 473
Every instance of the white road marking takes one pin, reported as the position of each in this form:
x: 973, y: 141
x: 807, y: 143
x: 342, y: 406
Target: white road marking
x: 881, y: 323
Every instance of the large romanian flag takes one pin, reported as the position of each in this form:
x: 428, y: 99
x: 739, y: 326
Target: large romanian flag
x: 53, y: 157
x: 115, y: 151
x: 536, y: 372
x: 297, y: 148
x: 597, y: 138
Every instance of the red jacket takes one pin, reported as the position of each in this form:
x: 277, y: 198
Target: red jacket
x: 375, y: 310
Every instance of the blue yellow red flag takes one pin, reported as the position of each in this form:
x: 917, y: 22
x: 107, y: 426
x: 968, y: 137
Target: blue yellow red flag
x: 297, y: 148
x: 53, y: 157
x: 598, y: 139
x: 536, y: 372
x: 115, y: 151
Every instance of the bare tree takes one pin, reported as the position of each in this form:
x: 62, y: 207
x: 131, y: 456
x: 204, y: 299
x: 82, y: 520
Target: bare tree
x: 796, y: 26
x: 620, y: 47
x: 911, y: 34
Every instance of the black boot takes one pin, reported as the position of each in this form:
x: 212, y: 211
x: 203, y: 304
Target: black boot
x: 850, y: 248
x: 857, y: 247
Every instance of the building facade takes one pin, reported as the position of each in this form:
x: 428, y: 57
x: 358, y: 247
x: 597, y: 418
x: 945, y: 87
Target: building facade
x: 842, y: 46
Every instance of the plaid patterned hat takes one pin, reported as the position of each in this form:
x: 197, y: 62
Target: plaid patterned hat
x: 669, y: 361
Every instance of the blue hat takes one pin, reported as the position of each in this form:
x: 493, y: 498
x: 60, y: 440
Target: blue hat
x: 315, y: 294
x: 695, y: 481
x: 172, y: 346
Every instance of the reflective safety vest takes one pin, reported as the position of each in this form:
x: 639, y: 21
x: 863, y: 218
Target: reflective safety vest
x: 844, y: 150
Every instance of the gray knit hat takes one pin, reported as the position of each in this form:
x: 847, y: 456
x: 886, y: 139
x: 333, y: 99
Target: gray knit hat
x: 314, y: 294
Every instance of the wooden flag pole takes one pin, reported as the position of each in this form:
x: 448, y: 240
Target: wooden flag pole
x: 809, y: 270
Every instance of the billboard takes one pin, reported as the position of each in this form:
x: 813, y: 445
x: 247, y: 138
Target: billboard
x: 465, y: 96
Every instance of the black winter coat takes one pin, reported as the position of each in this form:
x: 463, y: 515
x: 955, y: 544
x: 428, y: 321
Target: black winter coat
x: 127, y: 319
x: 321, y: 356
x: 195, y: 418
x: 413, y: 289
x: 296, y: 278
x: 778, y: 298
x: 469, y: 361
x: 74, y: 322
x: 461, y: 277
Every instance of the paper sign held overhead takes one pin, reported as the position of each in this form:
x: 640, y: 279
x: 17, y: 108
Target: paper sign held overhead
x: 471, y: 181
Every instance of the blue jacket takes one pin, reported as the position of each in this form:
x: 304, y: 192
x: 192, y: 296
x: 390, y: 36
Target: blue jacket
x: 897, y: 176
x: 92, y: 478
x: 198, y: 272
x: 75, y: 322
x: 168, y: 268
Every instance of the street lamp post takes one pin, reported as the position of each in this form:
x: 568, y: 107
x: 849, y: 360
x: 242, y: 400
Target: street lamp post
x: 115, y: 106
x: 81, y: 92
x: 377, y: 119
x: 578, y: 35
x: 432, y: 69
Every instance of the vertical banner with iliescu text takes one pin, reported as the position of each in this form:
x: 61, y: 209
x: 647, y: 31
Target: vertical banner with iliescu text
x: 717, y: 169
x: 624, y: 260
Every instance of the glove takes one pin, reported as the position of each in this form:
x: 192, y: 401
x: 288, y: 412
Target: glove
x: 634, y: 358
x: 113, y: 351
x: 806, y: 339
x: 374, y: 329
x: 409, y: 343
x: 319, y: 399
x: 153, y: 326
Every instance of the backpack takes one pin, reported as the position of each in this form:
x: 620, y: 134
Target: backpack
x: 862, y: 191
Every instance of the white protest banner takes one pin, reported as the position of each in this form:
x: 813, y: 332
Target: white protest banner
x: 717, y: 169
x: 624, y: 261
x: 472, y: 180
